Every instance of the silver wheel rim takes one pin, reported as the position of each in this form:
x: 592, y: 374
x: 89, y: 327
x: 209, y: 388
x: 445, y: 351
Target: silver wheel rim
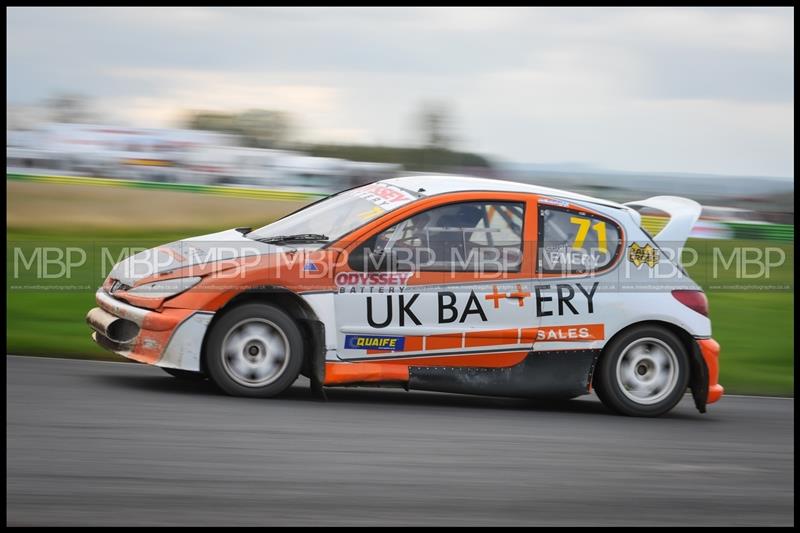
x: 647, y: 371
x: 255, y: 352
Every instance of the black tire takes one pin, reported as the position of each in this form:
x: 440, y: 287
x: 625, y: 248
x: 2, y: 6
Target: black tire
x: 653, y: 343
x: 268, y: 331
x: 184, y: 375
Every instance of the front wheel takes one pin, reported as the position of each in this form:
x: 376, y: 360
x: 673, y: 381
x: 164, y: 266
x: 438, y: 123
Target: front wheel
x: 254, y: 350
x: 643, y: 372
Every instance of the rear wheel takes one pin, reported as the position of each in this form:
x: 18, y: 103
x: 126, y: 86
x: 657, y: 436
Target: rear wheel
x: 643, y: 372
x: 254, y: 350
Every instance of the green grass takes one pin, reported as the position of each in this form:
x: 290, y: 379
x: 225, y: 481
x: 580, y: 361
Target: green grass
x: 754, y: 326
x: 753, y: 323
x: 757, y: 338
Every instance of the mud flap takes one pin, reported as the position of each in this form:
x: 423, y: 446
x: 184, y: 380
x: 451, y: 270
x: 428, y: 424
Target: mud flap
x: 315, y: 364
x: 542, y: 374
x: 698, y: 381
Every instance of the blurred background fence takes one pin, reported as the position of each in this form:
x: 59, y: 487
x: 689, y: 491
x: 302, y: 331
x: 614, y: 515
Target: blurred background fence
x: 256, y: 156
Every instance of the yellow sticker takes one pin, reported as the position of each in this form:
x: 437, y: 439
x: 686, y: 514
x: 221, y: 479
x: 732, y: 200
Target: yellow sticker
x: 643, y: 254
x: 583, y: 230
x: 372, y: 213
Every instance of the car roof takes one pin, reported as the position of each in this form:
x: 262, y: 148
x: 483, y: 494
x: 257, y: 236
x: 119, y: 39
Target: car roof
x: 433, y: 184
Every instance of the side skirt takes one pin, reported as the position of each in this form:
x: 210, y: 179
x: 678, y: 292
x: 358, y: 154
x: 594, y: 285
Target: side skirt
x: 563, y: 373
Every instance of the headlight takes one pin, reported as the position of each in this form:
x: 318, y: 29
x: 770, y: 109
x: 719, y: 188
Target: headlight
x: 164, y: 289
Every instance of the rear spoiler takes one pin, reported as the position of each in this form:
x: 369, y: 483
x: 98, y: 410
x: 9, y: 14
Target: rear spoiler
x: 683, y: 213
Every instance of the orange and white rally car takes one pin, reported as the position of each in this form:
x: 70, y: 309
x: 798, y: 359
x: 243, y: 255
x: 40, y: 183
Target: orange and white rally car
x: 436, y: 283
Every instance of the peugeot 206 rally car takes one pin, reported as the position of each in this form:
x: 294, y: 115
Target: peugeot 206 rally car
x: 437, y: 283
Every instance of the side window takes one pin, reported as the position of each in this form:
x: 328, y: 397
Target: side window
x: 575, y: 242
x: 461, y: 237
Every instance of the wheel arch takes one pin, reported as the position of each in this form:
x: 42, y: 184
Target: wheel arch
x: 698, y: 371
x: 294, y: 305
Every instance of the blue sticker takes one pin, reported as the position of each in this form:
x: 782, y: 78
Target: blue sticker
x: 310, y: 267
x: 373, y: 342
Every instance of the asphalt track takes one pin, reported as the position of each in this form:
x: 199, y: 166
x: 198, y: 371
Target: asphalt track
x: 94, y: 443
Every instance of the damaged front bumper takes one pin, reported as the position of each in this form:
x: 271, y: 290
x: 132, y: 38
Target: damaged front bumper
x: 170, y: 338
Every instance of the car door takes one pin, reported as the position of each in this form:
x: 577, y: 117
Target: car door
x: 448, y: 284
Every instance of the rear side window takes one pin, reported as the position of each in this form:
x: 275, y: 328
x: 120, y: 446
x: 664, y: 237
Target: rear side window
x: 575, y: 242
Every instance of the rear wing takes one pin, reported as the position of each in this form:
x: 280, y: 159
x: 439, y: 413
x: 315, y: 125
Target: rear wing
x: 683, y: 213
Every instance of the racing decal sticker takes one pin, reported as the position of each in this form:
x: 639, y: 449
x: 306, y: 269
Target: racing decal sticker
x: 519, y: 295
x: 455, y: 343
x: 564, y: 295
x: 578, y: 332
x: 385, y: 196
x: 374, y: 342
x: 403, y: 311
x: 370, y: 213
x: 398, y: 308
x: 380, y: 282
x: 554, y: 201
x: 646, y: 254
x: 449, y: 310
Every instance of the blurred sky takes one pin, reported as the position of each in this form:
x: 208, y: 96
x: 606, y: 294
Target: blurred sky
x: 683, y: 90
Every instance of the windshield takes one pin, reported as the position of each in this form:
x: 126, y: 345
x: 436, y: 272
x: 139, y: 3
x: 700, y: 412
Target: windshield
x: 340, y: 214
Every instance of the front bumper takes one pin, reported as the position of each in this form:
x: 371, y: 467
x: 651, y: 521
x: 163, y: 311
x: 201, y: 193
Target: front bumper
x: 171, y: 338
